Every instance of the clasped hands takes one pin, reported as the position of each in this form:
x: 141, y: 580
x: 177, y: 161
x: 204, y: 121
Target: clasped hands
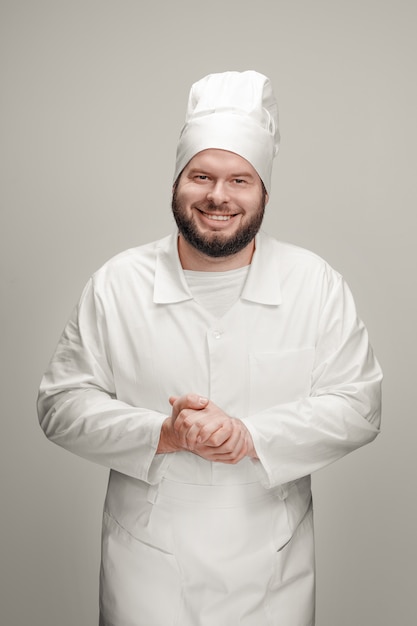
x: 199, y: 426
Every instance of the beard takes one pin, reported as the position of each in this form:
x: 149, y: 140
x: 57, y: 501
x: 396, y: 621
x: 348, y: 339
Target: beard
x: 217, y: 244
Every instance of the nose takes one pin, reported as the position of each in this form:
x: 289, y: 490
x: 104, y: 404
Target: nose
x: 218, y: 193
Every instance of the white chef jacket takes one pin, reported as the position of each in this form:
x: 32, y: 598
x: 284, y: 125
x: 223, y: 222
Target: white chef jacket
x: 290, y: 358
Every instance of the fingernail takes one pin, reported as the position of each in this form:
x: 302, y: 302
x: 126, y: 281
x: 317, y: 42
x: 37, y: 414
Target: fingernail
x: 202, y: 400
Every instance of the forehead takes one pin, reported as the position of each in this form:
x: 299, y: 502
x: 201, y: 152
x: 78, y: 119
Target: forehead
x: 215, y: 160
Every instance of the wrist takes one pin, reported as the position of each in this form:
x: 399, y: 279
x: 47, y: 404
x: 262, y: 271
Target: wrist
x: 251, y: 452
x: 168, y: 440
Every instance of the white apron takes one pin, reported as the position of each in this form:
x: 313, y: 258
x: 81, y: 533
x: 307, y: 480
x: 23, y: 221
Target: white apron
x: 206, y: 555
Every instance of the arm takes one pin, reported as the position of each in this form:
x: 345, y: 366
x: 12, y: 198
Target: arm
x: 77, y: 406
x: 342, y: 411
x: 291, y: 440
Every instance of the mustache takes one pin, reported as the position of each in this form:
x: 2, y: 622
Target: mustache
x: 209, y: 207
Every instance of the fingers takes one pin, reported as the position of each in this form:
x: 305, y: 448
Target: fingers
x: 189, y: 401
x: 198, y: 426
x: 215, y: 434
x: 228, y: 444
x: 186, y: 412
x: 231, y: 452
x: 233, y: 449
x: 190, y: 423
x: 204, y: 429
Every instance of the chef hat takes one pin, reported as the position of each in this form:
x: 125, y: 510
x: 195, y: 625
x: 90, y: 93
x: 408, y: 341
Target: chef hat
x: 234, y: 111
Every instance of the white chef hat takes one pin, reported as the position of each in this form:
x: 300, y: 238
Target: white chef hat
x: 234, y: 111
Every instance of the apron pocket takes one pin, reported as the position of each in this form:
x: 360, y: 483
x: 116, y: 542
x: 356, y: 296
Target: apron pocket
x: 291, y: 593
x: 131, y: 578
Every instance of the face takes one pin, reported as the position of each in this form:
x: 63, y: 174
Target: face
x: 218, y: 203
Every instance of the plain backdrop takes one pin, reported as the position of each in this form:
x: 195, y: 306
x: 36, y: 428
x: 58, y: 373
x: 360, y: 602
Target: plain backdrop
x: 93, y: 97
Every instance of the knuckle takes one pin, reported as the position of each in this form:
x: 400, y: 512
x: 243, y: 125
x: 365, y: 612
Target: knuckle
x: 186, y: 417
x: 229, y: 444
x: 215, y: 440
x: 187, y: 421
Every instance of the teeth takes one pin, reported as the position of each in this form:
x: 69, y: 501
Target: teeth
x: 220, y: 218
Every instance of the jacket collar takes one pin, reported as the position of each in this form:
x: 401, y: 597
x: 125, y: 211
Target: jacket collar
x: 262, y: 283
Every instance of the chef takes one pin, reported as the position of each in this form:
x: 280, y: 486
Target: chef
x: 212, y: 372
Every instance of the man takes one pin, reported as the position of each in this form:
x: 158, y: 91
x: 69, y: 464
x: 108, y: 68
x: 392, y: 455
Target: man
x: 213, y: 371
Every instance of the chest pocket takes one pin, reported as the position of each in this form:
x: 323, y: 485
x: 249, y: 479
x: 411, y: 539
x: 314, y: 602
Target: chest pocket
x: 279, y: 377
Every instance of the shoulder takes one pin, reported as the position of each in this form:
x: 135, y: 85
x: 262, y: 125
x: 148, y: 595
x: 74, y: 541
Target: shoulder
x: 133, y: 261
x: 127, y: 275
x: 291, y: 257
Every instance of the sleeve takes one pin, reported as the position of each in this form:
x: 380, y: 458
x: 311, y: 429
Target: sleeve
x: 77, y: 405
x: 343, y: 409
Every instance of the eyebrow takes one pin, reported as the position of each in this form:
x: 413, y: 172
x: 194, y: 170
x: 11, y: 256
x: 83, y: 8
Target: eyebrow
x: 202, y: 170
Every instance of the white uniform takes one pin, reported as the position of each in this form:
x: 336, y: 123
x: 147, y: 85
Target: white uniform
x: 188, y: 542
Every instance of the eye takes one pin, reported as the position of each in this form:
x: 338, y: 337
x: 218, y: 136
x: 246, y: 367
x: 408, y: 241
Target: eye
x: 240, y: 181
x: 201, y: 177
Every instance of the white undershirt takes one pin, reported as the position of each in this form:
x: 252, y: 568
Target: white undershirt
x: 216, y: 291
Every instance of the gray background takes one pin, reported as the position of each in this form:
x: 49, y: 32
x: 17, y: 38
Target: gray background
x: 93, y: 96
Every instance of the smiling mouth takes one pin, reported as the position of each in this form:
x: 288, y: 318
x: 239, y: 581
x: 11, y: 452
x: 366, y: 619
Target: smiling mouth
x: 218, y: 217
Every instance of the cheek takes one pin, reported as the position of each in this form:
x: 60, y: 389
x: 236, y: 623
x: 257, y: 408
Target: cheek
x: 188, y: 197
x: 252, y: 207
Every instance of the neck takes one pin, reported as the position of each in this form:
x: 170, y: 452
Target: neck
x: 193, y: 259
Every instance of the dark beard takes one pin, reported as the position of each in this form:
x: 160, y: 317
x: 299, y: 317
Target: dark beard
x: 217, y: 245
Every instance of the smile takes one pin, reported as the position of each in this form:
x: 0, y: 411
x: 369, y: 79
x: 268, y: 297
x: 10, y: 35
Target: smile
x: 216, y: 217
